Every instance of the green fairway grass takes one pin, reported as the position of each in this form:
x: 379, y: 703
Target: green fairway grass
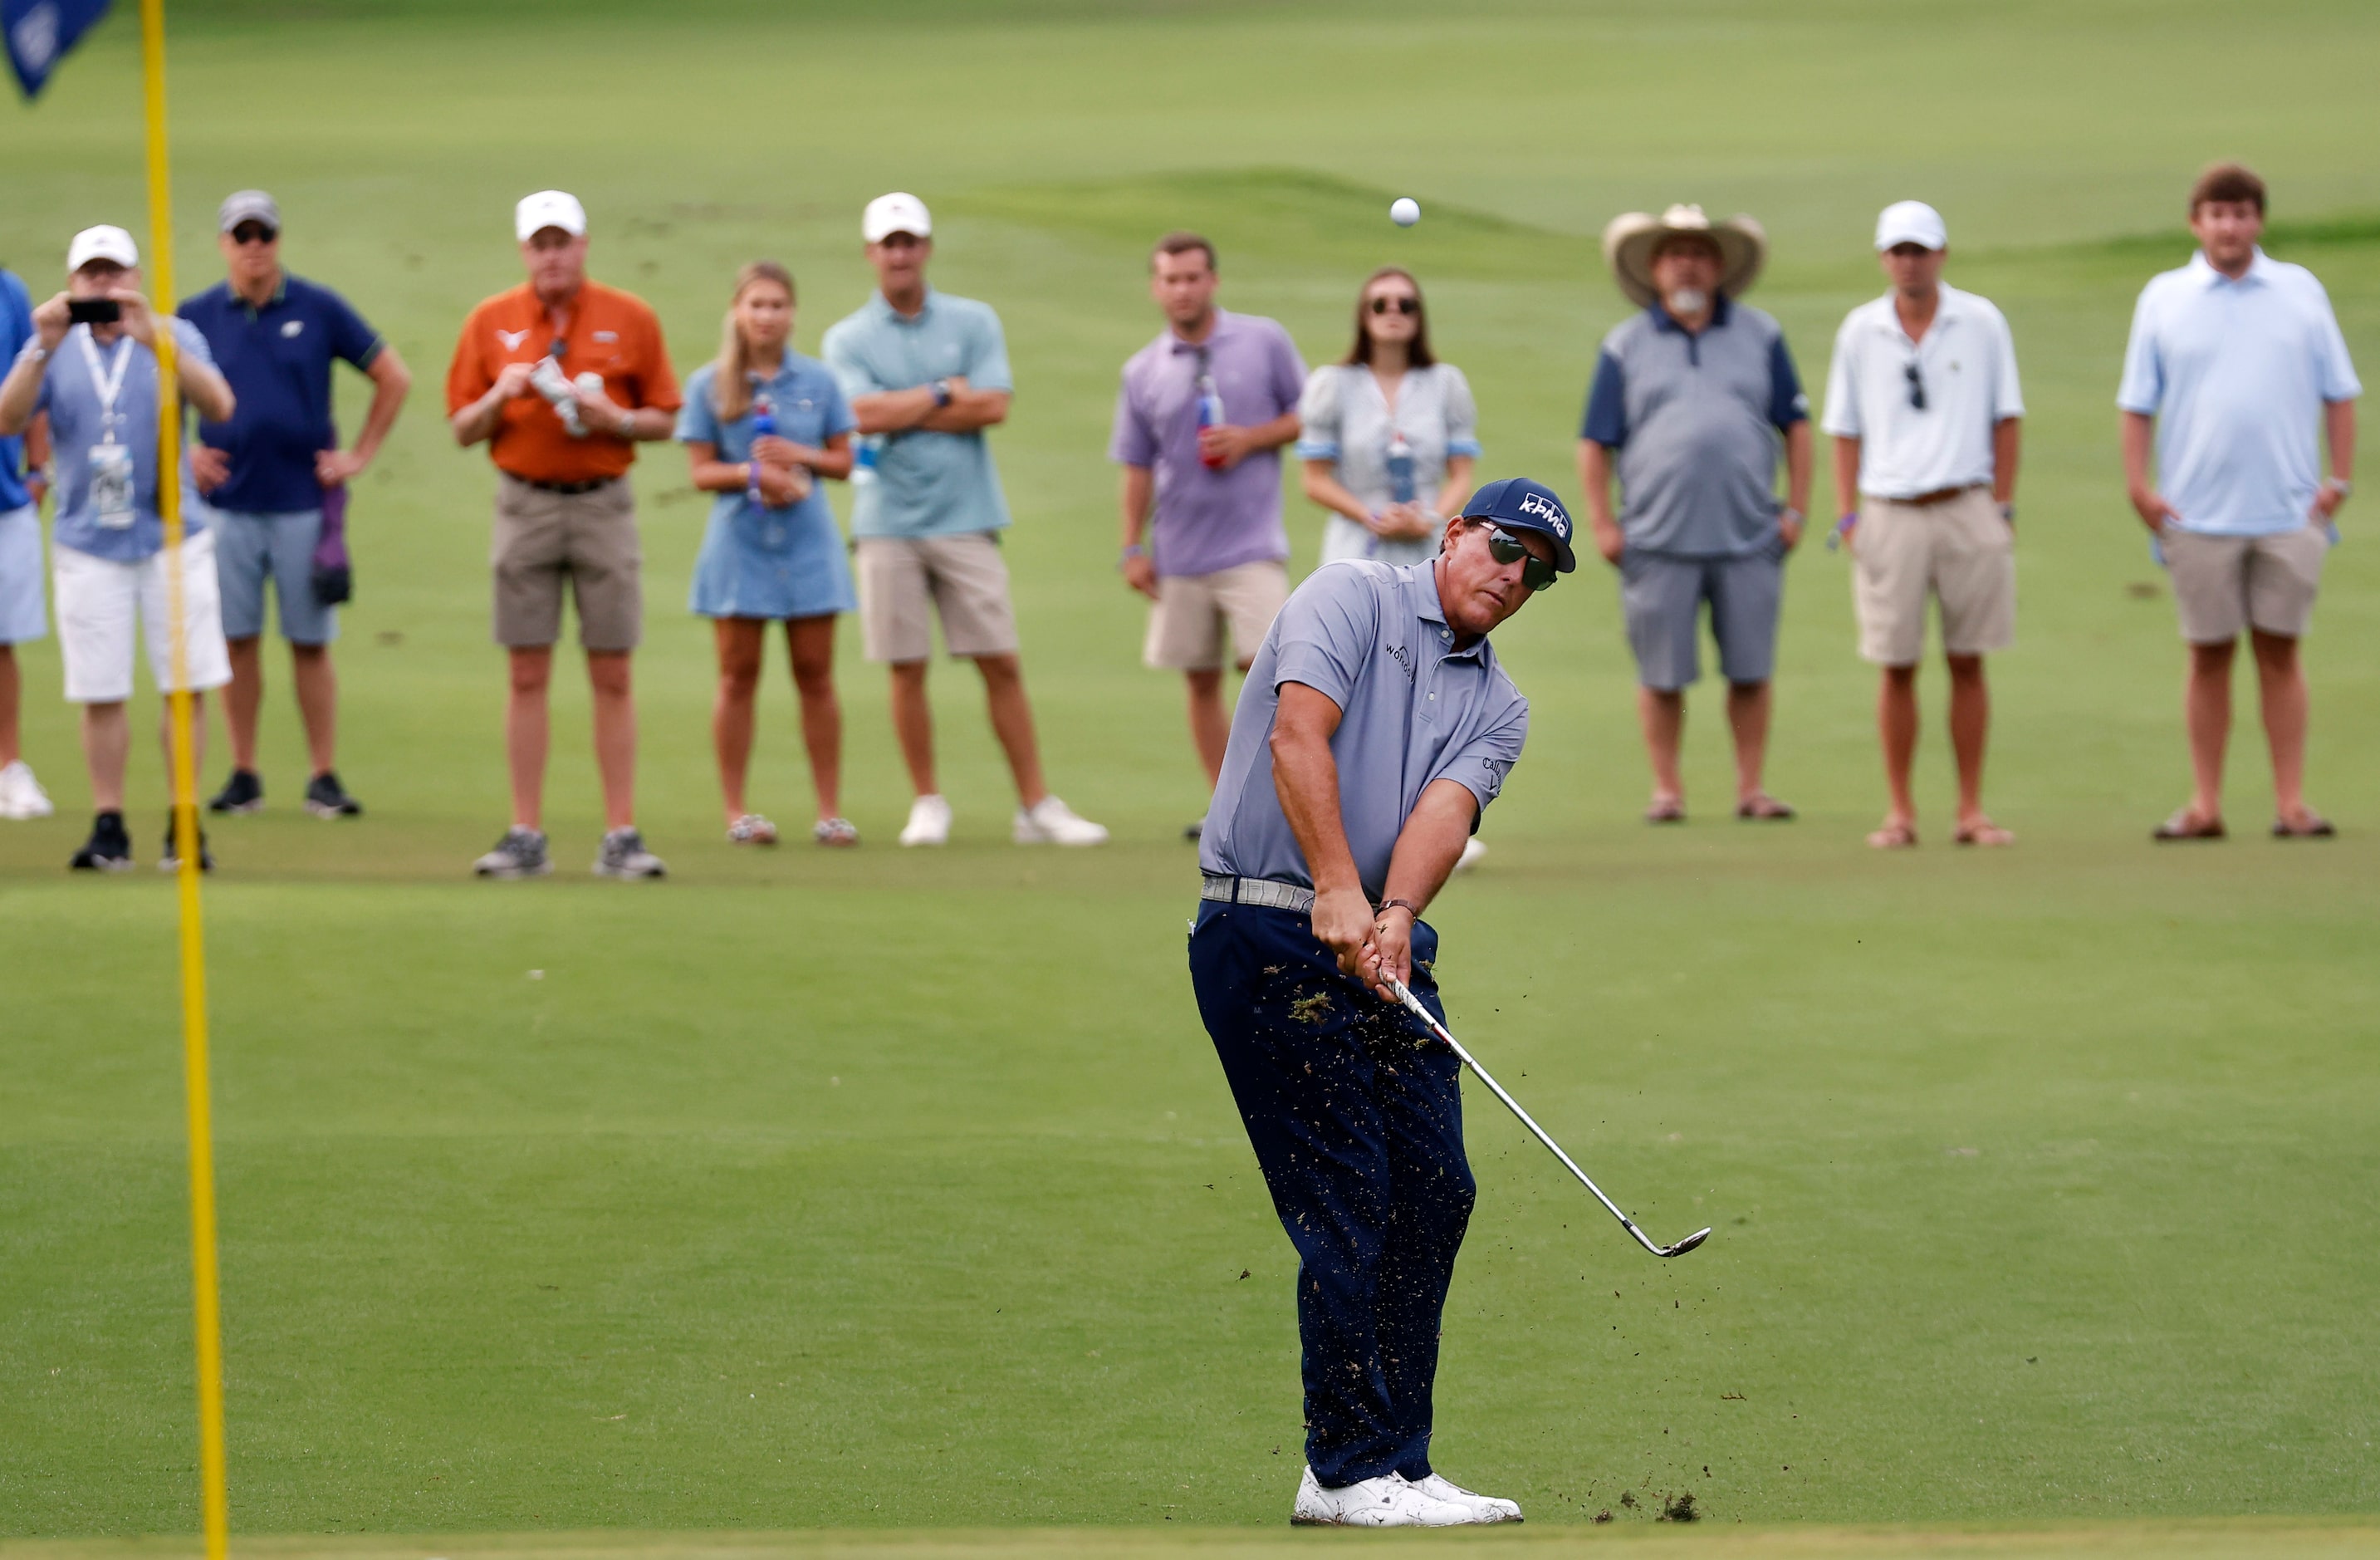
x: 882, y: 1191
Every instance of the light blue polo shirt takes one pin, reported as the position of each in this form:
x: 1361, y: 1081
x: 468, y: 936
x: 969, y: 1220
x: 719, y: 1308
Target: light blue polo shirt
x: 2236, y: 374
x: 926, y: 484
x: 1373, y: 640
x: 78, y: 418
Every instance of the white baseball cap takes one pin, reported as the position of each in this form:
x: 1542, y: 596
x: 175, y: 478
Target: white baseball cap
x: 103, y: 242
x: 1910, y: 222
x: 549, y: 208
x: 896, y: 213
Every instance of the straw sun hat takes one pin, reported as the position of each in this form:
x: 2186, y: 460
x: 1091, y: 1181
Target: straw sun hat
x: 1629, y: 242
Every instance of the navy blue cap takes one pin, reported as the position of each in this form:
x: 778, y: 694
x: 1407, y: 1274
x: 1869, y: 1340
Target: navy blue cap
x: 1518, y: 503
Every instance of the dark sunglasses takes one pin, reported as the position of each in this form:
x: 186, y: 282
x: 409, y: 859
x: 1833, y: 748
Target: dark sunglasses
x: 254, y: 232
x: 1917, y: 386
x: 1401, y: 305
x: 1506, y: 548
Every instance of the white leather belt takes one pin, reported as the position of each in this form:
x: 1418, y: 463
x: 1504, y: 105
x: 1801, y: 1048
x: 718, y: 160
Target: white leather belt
x: 1256, y: 891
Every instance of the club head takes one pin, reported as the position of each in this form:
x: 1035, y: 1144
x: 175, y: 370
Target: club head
x: 1688, y: 1244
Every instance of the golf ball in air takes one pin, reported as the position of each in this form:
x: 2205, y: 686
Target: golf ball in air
x: 1405, y: 211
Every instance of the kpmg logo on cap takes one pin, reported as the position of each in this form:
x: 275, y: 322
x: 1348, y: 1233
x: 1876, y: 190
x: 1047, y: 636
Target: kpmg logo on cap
x: 1546, y: 509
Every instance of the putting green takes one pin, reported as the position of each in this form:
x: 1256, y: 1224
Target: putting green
x: 899, y: 1190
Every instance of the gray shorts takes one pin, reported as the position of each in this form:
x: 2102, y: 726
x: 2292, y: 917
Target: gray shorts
x: 1661, y: 599
x: 251, y: 548
x: 587, y: 541
x: 906, y: 581
x: 2225, y: 584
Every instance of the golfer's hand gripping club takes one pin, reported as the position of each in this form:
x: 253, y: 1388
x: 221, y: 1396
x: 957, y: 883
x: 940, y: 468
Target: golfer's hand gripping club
x: 1413, y: 1004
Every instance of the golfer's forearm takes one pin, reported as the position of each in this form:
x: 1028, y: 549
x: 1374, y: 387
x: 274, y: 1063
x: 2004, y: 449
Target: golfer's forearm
x: 1798, y: 467
x: 1847, y: 464
x: 2338, y: 427
x: 1305, y: 777
x: 2006, y: 438
x: 2138, y: 436
x: 1431, y: 842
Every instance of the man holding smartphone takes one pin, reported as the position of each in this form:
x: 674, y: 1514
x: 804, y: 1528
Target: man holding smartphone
x: 92, y: 365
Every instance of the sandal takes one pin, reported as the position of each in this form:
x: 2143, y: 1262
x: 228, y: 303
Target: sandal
x: 1983, y: 832
x: 751, y: 829
x: 1901, y: 836
x: 1673, y: 811
x: 1765, y: 808
x: 2315, y: 827
x: 835, y: 832
x: 2185, y: 824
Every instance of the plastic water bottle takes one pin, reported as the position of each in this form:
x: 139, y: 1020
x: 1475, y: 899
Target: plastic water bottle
x: 863, y: 459
x: 764, y: 426
x: 1210, y: 415
x: 1401, y: 467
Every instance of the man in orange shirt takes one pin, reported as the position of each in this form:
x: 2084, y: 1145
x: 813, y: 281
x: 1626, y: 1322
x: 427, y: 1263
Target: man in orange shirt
x: 562, y: 376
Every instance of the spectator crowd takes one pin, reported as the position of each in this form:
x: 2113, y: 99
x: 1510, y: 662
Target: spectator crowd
x: 1697, y: 463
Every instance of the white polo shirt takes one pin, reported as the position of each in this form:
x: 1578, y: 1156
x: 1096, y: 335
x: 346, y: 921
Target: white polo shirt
x: 2236, y: 374
x: 1967, y: 365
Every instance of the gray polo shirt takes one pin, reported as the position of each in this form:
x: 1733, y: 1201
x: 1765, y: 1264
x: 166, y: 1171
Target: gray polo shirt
x: 1696, y: 419
x: 1373, y: 640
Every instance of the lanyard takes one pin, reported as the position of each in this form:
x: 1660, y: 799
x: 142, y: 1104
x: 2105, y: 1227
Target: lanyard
x: 106, y: 385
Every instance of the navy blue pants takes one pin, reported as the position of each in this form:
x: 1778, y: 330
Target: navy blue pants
x: 1355, y: 1113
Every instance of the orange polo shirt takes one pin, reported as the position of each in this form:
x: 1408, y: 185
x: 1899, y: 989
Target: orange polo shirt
x: 611, y: 333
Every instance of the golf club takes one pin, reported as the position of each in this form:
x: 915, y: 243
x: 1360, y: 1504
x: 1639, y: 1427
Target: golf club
x: 1468, y: 1060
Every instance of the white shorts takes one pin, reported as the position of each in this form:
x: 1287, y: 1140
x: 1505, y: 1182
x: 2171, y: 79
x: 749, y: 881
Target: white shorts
x: 98, y: 599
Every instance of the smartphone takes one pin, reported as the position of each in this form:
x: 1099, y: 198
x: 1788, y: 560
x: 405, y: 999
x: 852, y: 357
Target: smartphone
x: 93, y: 312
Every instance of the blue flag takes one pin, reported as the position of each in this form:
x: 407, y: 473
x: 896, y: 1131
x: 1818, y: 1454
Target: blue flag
x: 40, y: 32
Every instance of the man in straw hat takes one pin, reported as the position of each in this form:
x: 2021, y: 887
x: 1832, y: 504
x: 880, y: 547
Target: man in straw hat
x: 1690, y: 401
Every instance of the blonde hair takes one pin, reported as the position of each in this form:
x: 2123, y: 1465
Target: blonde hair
x: 731, y: 385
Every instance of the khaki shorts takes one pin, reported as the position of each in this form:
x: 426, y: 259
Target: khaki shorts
x: 1958, y: 551
x: 1188, y: 621
x: 587, y: 538
x: 906, y: 581
x: 2223, y: 584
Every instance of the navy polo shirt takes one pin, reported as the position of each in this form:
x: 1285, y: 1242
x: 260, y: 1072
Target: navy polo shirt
x: 278, y: 360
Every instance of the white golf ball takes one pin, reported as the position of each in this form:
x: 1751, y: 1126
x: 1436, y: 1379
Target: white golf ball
x: 1405, y: 211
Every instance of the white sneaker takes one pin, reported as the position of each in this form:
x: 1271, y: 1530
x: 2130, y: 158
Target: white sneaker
x: 1472, y: 851
x: 21, y: 795
x: 1491, y: 1508
x: 1385, y: 1502
x: 1051, y: 821
x: 929, y: 822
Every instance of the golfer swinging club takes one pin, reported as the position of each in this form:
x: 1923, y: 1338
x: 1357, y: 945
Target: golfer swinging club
x: 1373, y: 725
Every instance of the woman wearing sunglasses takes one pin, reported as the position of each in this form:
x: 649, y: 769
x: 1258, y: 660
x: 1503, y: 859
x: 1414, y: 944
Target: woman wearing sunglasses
x: 1391, y: 434
x: 761, y: 425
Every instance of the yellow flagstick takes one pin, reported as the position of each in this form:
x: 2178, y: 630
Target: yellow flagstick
x: 207, y: 1306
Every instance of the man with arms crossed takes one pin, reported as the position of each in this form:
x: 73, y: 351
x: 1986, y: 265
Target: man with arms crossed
x: 926, y: 373
x: 1219, y: 559
x: 1373, y: 725
x: 564, y: 377
x: 1921, y: 400
x: 98, y: 383
x: 267, y: 475
x: 1690, y: 401
x: 2233, y: 359
x: 23, y: 617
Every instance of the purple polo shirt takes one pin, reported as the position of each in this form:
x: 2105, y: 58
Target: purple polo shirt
x: 1209, y: 520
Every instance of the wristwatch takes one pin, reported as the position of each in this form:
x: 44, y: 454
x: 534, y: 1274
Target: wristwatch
x: 1134, y: 551
x: 1406, y: 904
x: 627, y: 429
x: 941, y: 393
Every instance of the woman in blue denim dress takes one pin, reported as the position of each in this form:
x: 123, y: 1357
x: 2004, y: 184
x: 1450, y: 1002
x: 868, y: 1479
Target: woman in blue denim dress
x: 761, y: 425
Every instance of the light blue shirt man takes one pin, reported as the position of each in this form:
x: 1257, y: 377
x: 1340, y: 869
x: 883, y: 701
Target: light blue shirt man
x: 926, y: 484
x: 2237, y: 374
x: 1372, y: 638
x: 97, y: 395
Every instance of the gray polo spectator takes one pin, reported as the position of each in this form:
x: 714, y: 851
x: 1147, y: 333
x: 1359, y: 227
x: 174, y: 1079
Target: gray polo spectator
x: 272, y: 471
x: 2234, y: 360
x: 1692, y: 401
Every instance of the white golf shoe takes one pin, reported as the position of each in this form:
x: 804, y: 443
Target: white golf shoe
x: 929, y: 822
x: 1385, y: 1502
x: 21, y: 795
x: 1491, y: 1508
x: 1051, y: 821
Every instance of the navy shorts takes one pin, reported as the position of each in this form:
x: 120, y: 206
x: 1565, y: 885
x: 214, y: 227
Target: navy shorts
x: 1661, y: 597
